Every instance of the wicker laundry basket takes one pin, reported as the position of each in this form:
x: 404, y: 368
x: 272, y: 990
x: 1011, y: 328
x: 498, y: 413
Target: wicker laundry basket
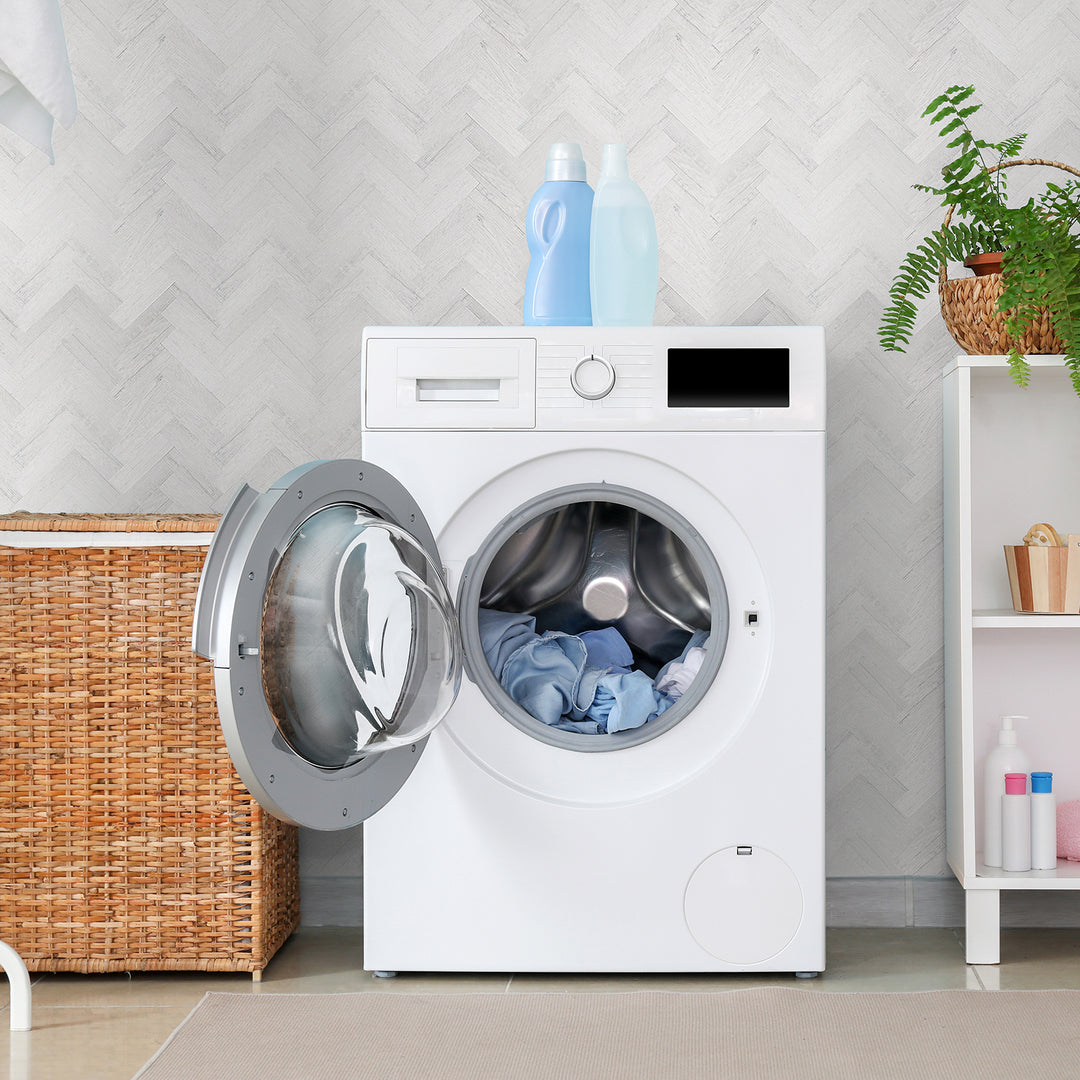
x: 127, y: 841
x: 969, y: 304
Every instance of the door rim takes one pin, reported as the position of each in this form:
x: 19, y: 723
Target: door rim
x: 283, y: 782
x: 468, y: 603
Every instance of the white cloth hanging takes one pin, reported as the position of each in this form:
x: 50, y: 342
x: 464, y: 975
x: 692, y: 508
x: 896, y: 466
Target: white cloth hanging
x: 35, y: 75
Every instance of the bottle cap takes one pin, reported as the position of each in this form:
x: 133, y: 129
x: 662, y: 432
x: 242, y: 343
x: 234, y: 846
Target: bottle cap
x: 564, y: 162
x: 1015, y: 783
x: 1042, y: 783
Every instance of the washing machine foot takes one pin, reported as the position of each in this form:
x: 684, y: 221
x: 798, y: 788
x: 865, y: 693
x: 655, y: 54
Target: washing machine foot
x: 385, y: 974
x: 807, y: 974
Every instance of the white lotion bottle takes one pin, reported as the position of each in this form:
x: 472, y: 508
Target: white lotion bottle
x: 1005, y: 757
x: 1016, y: 823
x: 1043, y: 822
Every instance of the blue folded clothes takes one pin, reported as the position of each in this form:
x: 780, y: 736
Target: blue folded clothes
x: 607, y: 649
x: 625, y: 701
x: 582, y: 683
x: 549, y: 677
x: 502, y: 633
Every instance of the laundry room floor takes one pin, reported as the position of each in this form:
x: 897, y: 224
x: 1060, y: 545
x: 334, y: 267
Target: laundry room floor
x: 100, y: 1027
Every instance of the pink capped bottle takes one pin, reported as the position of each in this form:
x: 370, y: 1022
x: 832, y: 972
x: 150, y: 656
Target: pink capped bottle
x: 1016, y: 823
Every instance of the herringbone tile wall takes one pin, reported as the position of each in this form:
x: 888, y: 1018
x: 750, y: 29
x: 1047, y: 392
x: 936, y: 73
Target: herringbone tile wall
x: 250, y: 183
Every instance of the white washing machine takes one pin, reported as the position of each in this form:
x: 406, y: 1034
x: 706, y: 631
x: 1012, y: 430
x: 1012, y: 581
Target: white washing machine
x: 523, y: 489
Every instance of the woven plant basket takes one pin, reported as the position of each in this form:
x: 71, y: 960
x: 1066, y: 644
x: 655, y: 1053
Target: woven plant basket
x: 127, y: 841
x: 969, y: 305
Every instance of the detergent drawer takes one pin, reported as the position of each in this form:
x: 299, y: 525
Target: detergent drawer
x: 450, y: 383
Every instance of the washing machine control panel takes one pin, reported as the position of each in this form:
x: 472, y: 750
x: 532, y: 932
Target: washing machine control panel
x: 570, y: 378
x: 679, y: 378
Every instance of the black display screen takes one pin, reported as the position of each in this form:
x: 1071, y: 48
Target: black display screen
x: 729, y: 379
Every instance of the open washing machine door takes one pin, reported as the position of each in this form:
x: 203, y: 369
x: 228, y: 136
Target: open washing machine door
x: 335, y: 644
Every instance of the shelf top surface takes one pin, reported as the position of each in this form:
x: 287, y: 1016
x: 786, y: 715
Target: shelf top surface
x: 1066, y: 876
x: 1000, y: 360
x: 1006, y: 618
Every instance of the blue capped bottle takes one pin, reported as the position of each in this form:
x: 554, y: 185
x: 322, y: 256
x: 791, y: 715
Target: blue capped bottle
x: 1043, y: 822
x: 623, y: 266
x: 557, y: 228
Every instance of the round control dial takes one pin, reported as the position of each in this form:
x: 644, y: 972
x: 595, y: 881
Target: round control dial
x: 593, y: 378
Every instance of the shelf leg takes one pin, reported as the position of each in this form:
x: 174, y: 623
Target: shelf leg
x: 19, y: 980
x: 982, y: 935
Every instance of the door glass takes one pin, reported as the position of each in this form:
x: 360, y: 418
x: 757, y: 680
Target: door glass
x: 360, y: 648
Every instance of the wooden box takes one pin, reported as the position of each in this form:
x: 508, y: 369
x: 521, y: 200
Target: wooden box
x: 1045, y: 579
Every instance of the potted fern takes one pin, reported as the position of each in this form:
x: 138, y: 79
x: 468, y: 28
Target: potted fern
x: 1031, y: 302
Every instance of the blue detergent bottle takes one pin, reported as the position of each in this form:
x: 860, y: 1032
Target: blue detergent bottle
x: 624, y: 264
x: 557, y: 227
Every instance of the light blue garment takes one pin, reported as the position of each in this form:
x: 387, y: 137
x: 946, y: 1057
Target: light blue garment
x: 607, y: 649
x: 549, y: 677
x: 582, y: 683
x: 552, y: 679
x: 582, y: 727
x: 502, y: 633
x: 625, y: 701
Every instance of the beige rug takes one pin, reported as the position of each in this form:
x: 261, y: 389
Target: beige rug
x: 786, y: 1034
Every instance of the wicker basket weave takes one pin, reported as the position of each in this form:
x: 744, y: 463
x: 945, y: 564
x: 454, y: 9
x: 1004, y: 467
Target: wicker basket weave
x: 127, y: 841
x: 969, y: 305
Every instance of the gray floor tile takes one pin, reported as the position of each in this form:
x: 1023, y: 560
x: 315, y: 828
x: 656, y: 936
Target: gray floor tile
x: 100, y: 1027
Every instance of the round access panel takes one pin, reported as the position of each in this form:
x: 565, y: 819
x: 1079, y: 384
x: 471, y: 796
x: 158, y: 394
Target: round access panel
x: 743, y: 905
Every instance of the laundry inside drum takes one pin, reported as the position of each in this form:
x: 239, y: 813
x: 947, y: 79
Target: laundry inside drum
x: 595, y: 617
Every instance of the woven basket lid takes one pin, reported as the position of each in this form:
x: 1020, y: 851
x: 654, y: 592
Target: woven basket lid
x: 25, y: 521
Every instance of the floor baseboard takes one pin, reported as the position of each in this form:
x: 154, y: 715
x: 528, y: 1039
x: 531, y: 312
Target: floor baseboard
x: 919, y: 901
x: 870, y: 901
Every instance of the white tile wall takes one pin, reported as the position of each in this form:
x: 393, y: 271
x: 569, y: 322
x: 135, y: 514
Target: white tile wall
x: 248, y: 184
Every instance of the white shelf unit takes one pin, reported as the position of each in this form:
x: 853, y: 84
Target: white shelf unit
x: 1011, y: 459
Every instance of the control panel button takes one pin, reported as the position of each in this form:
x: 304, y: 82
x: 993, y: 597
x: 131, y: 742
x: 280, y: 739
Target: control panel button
x: 593, y: 378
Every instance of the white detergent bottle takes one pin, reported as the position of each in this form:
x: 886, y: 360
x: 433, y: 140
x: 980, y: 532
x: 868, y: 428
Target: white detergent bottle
x: 1006, y: 757
x: 623, y: 258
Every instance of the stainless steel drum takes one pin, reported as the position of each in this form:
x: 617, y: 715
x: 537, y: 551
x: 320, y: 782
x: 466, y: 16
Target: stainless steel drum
x: 591, y: 564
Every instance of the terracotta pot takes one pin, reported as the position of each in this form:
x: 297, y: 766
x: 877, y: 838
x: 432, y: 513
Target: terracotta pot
x: 987, y: 262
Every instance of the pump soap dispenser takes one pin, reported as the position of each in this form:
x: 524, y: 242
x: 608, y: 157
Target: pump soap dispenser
x: 1006, y: 757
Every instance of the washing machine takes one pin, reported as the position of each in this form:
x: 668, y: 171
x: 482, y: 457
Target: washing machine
x: 412, y: 641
